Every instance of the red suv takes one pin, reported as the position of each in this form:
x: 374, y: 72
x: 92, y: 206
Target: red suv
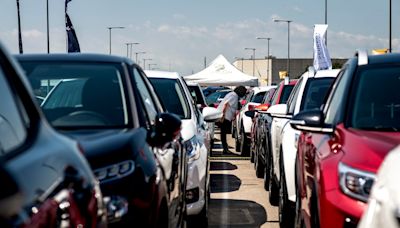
x: 344, y: 143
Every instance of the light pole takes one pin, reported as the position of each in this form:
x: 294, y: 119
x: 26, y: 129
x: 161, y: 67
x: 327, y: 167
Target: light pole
x: 144, y: 63
x: 326, y: 21
x: 268, y: 75
x: 19, y: 29
x: 127, y: 48
x: 136, y: 55
x: 48, y: 30
x: 288, y: 49
x: 254, y: 56
x: 111, y: 28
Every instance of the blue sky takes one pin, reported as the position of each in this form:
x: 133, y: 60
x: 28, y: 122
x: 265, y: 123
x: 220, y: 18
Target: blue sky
x: 178, y: 34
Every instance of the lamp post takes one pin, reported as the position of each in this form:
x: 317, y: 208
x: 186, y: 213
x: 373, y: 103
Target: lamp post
x: 19, y: 30
x: 268, y: 74
x: 111, y: 28
x: 288, y: 52
x: 326, y: 21
x: 390, y: 26
x: 136, y: 55
x: 144, y: 63
x: 127, y: 49
x: 254, y: 56
x: 48, y: 30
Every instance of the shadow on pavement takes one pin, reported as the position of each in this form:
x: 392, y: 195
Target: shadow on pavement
x: 218, y: 166
x: 224, y: 183
x: 233, y: 213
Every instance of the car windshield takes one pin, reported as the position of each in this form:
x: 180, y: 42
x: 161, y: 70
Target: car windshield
x: 258, y: 97
x: 172, y: 95
x: 377, y: 99
x: 215, y: 97
x: 75, y: 94
x: 287, y: 89
x: 315, y: 93
x: 196, y: 94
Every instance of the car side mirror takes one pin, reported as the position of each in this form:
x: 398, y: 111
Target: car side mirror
x: 250, y: 113
x: 166, y: 128
x: 211, y: 114
x: 11, y: 199
x: 310, y: 121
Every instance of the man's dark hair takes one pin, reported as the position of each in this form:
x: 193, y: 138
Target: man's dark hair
x: 240, y: 91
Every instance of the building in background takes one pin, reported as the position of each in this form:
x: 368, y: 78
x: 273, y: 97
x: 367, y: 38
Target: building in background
x: 267, y: 70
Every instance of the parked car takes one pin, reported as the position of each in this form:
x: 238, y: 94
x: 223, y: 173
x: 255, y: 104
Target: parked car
x: 344, y: 143
x: 384, y: 201
x: 45, y: 180
x: 262, y: 154
x: 212, y: 89
x: 198, y: 97
x: 108, y: 105
x: 177, y: 99
x: 308, y: 94
x: 215, y: 98
x: 243, y: 122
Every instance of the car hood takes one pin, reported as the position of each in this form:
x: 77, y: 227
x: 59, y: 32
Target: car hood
x: 366, y: 150
x: 105, y: 147
x: 188, y: 129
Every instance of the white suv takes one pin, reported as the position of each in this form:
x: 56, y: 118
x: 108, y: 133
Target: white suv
x: 243, y: 122
x: 176, y: 98
x: 308, y: 94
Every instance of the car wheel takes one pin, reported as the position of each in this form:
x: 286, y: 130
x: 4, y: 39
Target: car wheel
x: 286, y: 214
x: 233, y: 130
x: 272, y: 187
x: 244, y: 147
x: 237, y: 142
x: 260, y: 167
x: 299, y: 222
x: 252, y: 152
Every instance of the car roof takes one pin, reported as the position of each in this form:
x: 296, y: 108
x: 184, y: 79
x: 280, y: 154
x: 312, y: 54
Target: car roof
x: 82, y: 57
x: 162, y: 74
x: 384, y: 58
x: 262, y: 88
x: 321, y: 74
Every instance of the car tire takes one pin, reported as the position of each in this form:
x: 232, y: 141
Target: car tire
x: 298, y: 221
x: 244, y: 147
x: 260, y: 167
x: 273, y: 187
x: 286, y: 212
x: 252, y: 152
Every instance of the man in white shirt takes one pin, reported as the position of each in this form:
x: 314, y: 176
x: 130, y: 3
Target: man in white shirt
x: 229, y: 105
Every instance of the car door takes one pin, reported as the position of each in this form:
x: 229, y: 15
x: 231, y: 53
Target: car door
x: 171, y: 157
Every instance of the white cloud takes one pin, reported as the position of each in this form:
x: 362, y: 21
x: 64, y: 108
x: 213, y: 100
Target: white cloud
x: 298, y: 9
x: 33, y: 33
x: 179, y: 16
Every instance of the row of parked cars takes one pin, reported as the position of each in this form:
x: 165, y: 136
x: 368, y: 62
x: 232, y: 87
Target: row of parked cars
x: 319, y: 149
x: 90, y: 140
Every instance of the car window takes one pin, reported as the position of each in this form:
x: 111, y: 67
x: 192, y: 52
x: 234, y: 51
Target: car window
x: 315, y: 92
x: 335, y: 101
x: 13, y: 131
x: 293, y: 97
x: 287, y: 89
x: 258, y: 97
x: 172, y: 96
x: 276, y: 95
x: 80, y: 95
x: 376, y: 107
x: 147, y: 99
x: 196, y: 94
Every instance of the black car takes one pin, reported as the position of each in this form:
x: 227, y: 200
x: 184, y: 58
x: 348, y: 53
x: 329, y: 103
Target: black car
x: 108, y: 105
x: 45, y: 179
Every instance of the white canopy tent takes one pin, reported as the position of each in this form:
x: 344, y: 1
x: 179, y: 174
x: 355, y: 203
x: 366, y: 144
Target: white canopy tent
x: 221, y: 73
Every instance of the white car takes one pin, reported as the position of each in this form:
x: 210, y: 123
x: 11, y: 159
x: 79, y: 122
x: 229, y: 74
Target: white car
x: 176, y: 98
x: 384, y: 201
x: 308, y: 94
x: 243, y: 122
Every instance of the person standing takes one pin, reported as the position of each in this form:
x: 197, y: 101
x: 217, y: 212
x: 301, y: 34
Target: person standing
x: 229, y: 105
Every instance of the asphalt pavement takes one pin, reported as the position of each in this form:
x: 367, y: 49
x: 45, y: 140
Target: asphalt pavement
x: 238, y: 198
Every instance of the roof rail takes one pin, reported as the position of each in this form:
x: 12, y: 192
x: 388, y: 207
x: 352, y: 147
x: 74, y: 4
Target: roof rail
x: 362, y: 57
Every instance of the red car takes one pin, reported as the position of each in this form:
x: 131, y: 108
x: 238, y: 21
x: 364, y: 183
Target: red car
x: 344, y: 143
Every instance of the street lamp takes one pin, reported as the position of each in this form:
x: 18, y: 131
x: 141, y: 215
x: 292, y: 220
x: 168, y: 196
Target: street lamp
x: 19, y: 29
x: 268, y: 75
x: 144, y: 63
x: 109, y: 29
x: 254, y: 56
x: 288, y: 50
x: 127, y: 49
x: 136, y: 55
x: 390, y: 26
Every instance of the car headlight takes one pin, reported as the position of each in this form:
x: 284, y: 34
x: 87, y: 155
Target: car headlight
x: 115, y: 171
x: 192, y: 147
x: 355, y: 183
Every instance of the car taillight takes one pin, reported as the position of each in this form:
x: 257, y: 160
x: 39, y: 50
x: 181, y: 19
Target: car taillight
x: 252, y: 107
x: 243, y: 102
